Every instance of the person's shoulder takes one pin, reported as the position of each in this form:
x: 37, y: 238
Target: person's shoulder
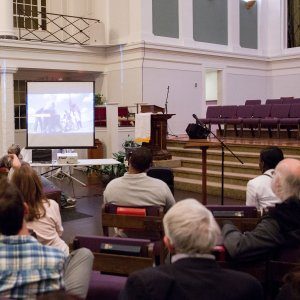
x: 256, y: 179
x: 114, y: 182
x: 154, y: 273
x: 242, y: 277
x: 39, y: 250
x: 53, y: 252
x: 156, y: 181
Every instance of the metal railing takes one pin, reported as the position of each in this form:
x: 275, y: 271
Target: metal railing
x: 57, y: 28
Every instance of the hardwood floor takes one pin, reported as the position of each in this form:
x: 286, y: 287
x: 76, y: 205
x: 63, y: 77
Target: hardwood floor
x: 89, y: 201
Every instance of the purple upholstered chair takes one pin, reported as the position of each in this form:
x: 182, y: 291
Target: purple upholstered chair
x: 295, y: 101
x: 253, y: 102
x: 213, y: 113
x: 274, y: 101
x: 278, y: 111
x: 287, y: 100
x: 111, y: 266
x: 227, y: 112
x: 259, y: 112
x: 293, y: 121
x: 243, y: 111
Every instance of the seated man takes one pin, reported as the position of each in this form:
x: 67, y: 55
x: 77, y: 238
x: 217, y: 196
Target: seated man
x: 65, y: 201
x: 135, y: 188
x: 259, y: 192
x: 280, y: 228
x: 27, y: 267
x: 191, y: 232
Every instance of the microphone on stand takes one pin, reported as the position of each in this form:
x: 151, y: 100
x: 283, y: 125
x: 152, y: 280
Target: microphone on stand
x: 198, y: 121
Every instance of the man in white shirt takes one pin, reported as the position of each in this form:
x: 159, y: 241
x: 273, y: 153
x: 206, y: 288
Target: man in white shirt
x: 135, y: 188
x: 259, y: 192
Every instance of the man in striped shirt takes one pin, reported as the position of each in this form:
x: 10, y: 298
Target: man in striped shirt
x: 27, y: 268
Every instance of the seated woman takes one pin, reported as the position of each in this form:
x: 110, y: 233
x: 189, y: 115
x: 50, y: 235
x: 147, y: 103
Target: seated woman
x: 45, y: 220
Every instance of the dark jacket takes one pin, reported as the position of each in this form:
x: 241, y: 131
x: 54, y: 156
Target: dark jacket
x: 277, y: 230
x: 191, y: 278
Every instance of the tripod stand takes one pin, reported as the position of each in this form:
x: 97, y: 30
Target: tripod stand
x: 223, y: 146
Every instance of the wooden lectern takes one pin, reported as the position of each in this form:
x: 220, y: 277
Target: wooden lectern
x: 159, y: 129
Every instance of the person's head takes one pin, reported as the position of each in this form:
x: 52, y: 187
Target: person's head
x: 30, y: 185
x: 269, y: 158
x: 190, y: 228
x: 12, y: 209
x: 140, y: 160
x: 5, y: 162
x: 14, y: 149
x: 286, y: 180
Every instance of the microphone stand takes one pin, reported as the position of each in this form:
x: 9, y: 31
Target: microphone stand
x: 166, y: 111
x: 223, y: 146
x: 166, y: 102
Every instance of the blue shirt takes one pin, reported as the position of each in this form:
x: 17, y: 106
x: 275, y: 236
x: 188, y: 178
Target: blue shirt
x: 28, y: 268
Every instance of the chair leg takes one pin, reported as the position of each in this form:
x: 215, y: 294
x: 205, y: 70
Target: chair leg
x: 220, y: 129
x: 278, y: 131
x: 288, y: 131
x: 270, y: 132
x: 259, y: 130
x: 225, y: 130
x: 235, y: 130
x: 242, y: 130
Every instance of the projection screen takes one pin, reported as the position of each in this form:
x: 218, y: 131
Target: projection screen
x: 60, y: 115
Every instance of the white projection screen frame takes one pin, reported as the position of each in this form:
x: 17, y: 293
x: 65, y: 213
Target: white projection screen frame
x: 60, y: 115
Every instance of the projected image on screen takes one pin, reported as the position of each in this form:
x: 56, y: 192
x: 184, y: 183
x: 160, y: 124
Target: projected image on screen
x: 60, y: 114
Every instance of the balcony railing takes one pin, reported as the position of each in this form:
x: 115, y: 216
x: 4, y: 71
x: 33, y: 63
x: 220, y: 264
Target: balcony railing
x: 56, y: 28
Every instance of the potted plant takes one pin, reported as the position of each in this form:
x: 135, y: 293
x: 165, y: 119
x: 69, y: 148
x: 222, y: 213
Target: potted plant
x: 129, y: 145
x: 99, y: 99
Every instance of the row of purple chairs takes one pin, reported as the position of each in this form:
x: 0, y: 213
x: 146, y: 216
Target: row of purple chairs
x: 282, y: 100
x: 255, y: 117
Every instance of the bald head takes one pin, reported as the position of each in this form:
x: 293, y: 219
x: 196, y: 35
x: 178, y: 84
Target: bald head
x: 286, y: 182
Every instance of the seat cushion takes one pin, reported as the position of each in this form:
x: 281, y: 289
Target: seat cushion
x: 105, y: 286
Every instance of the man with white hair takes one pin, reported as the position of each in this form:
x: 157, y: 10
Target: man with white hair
x: 190, y: 232
x: 280, y: 228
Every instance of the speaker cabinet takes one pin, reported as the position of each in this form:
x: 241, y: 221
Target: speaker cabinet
x: 196, y: 131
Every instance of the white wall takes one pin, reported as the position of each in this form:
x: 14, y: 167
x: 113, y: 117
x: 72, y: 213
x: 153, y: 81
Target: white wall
x: 184, y: 98
x: 242, y: 87
x: 118, y: 21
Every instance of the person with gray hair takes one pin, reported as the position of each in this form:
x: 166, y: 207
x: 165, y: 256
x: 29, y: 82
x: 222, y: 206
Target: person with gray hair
x: 277, y: 230
x: 191, y: 232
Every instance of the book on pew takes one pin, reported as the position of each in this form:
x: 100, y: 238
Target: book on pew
x: 228, y: 213
x: 120, y: 249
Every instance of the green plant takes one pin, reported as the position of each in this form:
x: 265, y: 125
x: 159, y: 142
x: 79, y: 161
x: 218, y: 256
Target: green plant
x: 110, y: 171
x: 130, y: 143
x: 99, y: 99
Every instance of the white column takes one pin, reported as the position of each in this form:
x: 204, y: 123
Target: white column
x: 112, y: 129
x: 6, y: 20
x: 7, y: 124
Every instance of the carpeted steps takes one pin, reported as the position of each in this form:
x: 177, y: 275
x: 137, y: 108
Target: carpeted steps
x: 236, y: 175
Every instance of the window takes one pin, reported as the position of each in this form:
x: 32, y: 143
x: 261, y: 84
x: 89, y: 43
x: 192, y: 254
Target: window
x: 30, y: 14
x: 20, y: 103
x: 165, y: 18
x: 293, y: 23
x: 210, y: 21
